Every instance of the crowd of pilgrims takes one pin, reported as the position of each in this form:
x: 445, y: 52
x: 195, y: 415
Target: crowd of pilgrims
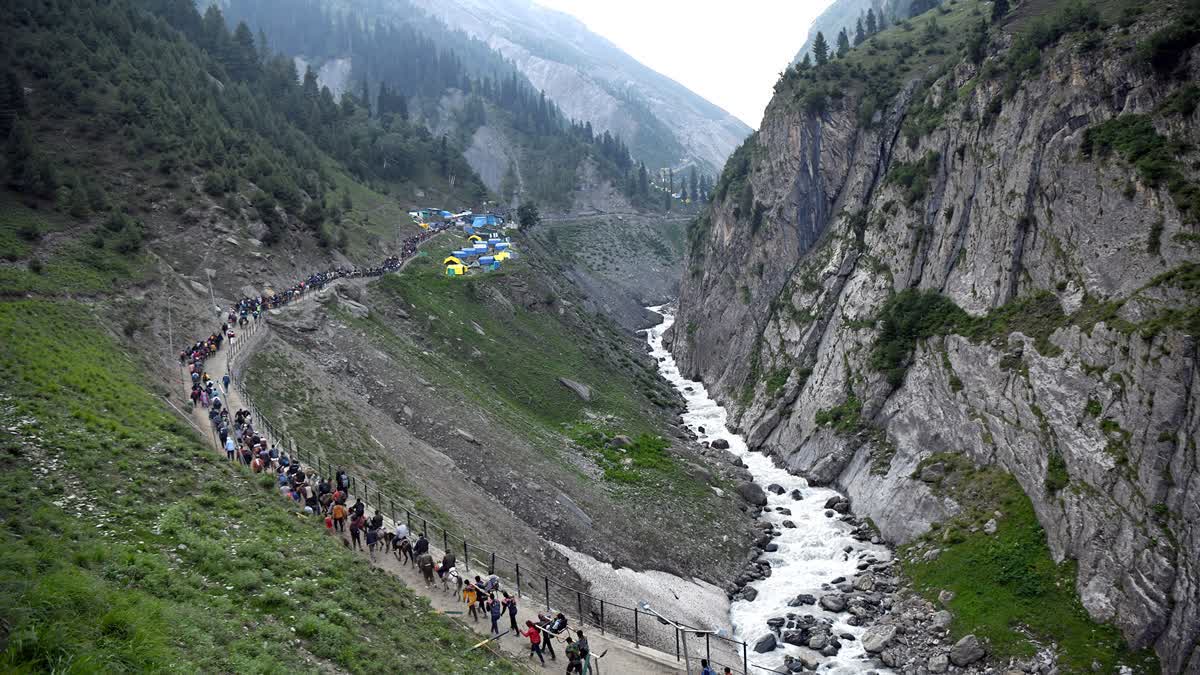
x: 327, y: 498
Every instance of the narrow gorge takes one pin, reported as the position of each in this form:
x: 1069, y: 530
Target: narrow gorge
x: 954, y: 274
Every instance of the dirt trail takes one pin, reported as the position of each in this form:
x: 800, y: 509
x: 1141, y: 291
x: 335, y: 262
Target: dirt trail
x: 621, y: 655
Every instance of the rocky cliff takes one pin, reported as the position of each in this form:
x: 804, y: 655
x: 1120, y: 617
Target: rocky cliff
x: 593, y: 80
x: 998, y: 260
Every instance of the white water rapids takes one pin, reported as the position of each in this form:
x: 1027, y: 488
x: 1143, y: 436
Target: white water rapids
x: 810, y: 555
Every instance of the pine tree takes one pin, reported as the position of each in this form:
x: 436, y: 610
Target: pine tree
x: 693, y: 183
x: 872, y: 27
x: 12, y: 102
x: 859, y: 34
x: 999, y: 9
x: 843, y: 44
x: 820, y: 49
x: 243, y: 57
x: 806, y: 62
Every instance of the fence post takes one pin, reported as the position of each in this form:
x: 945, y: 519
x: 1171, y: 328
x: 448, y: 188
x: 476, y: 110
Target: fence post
x: 547, y: 580
x: 445, y: 540
x: 492, y: 565
x: 707, y: 649
x: 425, y: 524
x: 518, y: 580
x: 602, y: 617
x: 677, y: 644
x: 637, y: 643
x: 579, y: 604
x: 745, y: 659
x: 408, y: 519
x: 466, y: 556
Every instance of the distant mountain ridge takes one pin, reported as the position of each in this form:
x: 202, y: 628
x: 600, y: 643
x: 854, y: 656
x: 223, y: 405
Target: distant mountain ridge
x: 593, y: 80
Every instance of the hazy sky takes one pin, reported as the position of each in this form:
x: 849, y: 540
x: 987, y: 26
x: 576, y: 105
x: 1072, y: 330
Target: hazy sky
x: 728, y: 51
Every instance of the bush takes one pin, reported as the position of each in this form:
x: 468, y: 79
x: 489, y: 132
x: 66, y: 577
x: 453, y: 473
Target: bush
x: 1164, y: 50
x: 1057, y: 477
x: 845, y: 417
x: 908, y: 317
x: 914, y: 178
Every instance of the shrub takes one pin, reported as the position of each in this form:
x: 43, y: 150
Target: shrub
x: 1057, y: 477
x: 907, y: 317
x: 914, y: 177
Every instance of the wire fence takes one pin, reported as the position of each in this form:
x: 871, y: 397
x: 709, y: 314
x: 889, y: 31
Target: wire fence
x: 620, y: 617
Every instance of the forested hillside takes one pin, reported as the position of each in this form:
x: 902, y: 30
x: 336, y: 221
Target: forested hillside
x: 147, y: 148
x: 163, y: 96
x: 446, y: 80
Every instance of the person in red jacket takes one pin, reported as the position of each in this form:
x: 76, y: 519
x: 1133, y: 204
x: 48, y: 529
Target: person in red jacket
x: 535, y: 641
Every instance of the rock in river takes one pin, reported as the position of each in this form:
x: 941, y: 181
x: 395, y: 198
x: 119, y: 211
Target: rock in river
x: 877, y: 638
x: 752, y: 493
x: 765, y: 644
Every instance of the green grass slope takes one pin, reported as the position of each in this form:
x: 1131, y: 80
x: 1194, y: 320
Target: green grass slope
x: 126, y: 545
x: 1007, y: 589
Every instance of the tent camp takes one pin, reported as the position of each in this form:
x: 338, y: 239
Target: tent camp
x: 454, y: 267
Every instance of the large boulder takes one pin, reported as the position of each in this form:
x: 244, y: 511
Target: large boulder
x: 581, y: 390
x: 877, y: 638
x: 833, y: 602
x: 720, y: 444
x: 765, y: 644
x: 966, y: 651
x: 752, y: 493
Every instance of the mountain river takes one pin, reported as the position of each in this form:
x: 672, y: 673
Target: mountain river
x: 810, y: 555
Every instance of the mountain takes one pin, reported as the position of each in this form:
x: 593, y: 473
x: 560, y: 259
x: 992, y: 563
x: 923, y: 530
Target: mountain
x: 590, y: 79
x: 847, y: 14
x: 841, y: 14
x: 954, y: 273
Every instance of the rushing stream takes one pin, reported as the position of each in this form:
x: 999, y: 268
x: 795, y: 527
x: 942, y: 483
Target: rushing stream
x: 810, y: 555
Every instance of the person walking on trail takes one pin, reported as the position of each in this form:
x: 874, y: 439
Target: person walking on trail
x: 425, y: 564
x: 372, y: 541
x: 574, y: 660
x: 547, y: 637
x: 339, y: 517
x: 343, y: 481
x: 422, y: 545
x: 225, y: 381
x: 535, y: 641
x: 585, y: 651
x: 356, y: 525
x: 495, y: 610
x: 470, y: 596
x: 705, y: 669
x: 230, y: 448
x: 510, y: 604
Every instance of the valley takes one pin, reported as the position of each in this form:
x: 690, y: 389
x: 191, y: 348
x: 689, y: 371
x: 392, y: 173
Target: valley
x: 900, y: 381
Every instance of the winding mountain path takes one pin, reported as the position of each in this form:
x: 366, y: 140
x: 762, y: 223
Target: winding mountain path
x: 620, y: 655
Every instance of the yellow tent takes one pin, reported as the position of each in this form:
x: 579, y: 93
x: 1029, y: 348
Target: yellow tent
x: 474, y: 237
x: 452, y: 260
x: 502, y: 255
x: 456, y: 270
x: 424, y: 226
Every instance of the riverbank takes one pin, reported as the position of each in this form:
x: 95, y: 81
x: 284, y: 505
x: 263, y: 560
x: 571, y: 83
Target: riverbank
x: 819, y: 577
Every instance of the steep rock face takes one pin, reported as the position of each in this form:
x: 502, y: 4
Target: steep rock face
x: 591, y: 79
x: 779, y: 321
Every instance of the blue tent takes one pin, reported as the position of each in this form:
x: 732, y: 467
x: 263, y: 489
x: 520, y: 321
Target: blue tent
x: 487, y: 220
